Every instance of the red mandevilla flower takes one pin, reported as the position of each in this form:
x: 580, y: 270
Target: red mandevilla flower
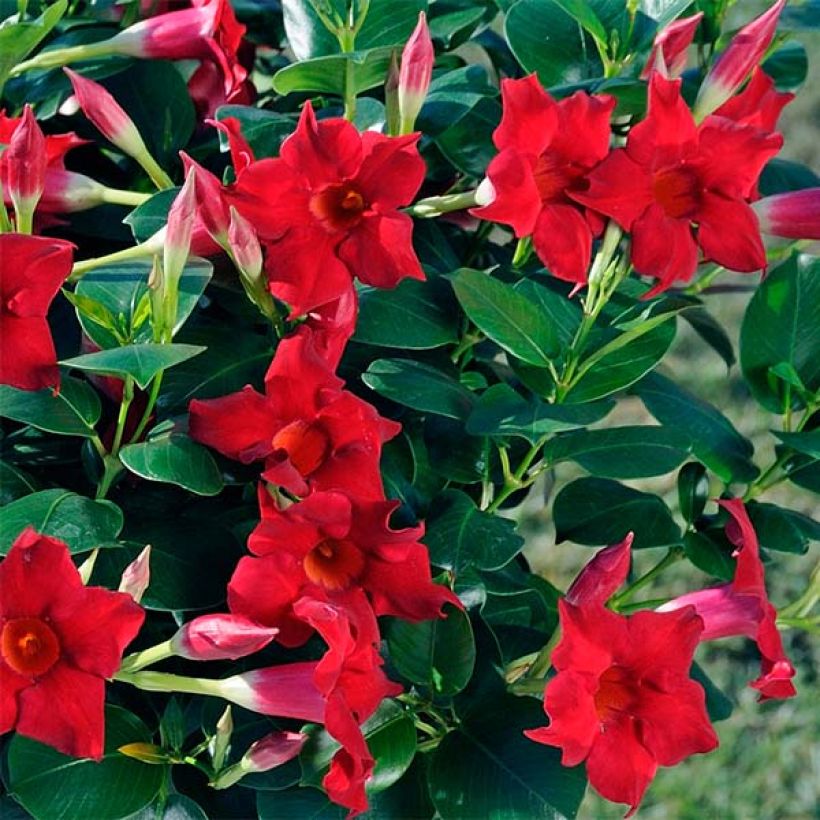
x: 673, y: 175
x: 32, y: 269
x: 546, y: 148
x: 310, y: 431
x: 328, y: 206
x: 328, y: 544
x: 59, y: 641
x: 759, y: 104
x: 623, y: 700
x: 743, y: 608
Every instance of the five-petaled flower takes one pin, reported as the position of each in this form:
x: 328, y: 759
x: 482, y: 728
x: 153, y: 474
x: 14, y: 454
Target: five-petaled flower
x: 546, y: 148
x: 59, y: 641
x: 623, y: 700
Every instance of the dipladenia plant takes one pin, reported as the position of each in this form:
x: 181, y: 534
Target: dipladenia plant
x: 302, y: 308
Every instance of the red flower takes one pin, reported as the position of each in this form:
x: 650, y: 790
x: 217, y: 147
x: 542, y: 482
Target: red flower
x: 672, y: 174
x: 341, y: 690
x: 743, y: 608
x: 546, y: 148
x: 324, y: 546
x: 32, y: 269
x: 329, y: 207
x: 333, y: 324
x: 623, y: 699
x: 59, y: 641
x: 310, y: 431
x: 759, y: 104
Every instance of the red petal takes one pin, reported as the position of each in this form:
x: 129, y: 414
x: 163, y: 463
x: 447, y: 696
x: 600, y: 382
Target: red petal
x: 323, y: 152
x: 10, y: 685
x: 240, y: 425
x: 563, y: 242
x: 529, y: 118
x: 516, y: 201
x: 619, y: 767
x: 32, y: 269
x: 95, y: 627
x: 591, y: 637
x: 601, y: 576
x: 729, y: 234
x: 583, y: 135
x: 379, y: 251
x: 662, y: 644
x: 64, y: 709
x: 664, y: 248
x: 28, y: 360
x: 392, y: 170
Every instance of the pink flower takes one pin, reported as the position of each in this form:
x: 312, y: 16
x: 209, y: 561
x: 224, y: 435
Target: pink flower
x: 26, y: 161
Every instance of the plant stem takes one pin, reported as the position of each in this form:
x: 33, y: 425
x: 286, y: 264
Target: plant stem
x: 674, y: 555
x: 138, y: 660
x: 64, y: 56
x: 154, y: 171
x: 434, y: 206
x: 162, y: 682
x: 122, y: 416
x: 149, y: 407
x: 347, y: 42
x: 115, y: 196
x: 142, y: 251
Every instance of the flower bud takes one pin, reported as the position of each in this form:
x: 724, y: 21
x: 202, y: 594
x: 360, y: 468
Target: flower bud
x: 415, y: 74
x: 599, y: 579
x: 221, y: 637
x: 67, y: 192
x: 670, y: 47
x: 210, y: 202
x: 180, y: 228
x: 106, y: 114
x: 734, y: 65
x: 221, y: 741
x: 26, y: 159
x: 267, y: 753
x: 137, y: 575
x: 391, y: 97
x: 793, y: 215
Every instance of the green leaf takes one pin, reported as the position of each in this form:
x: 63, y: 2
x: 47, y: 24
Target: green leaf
x: 53, y: 786
x: 82, y: 523
x: 420, y: 386
x: 461, y: 537
x: 18, y: 39
x: 390, y: 736
x: 302, y: 803
x: 614, y: 368
x: 597, y: 511
x: 502, y: 412
x: 715, y: 440
x: 712, y: 332
x: 563, y: 314
x: 621, y: 452
x: 489, y: 768
x: 718, y: 705
x: 506, y: 317
x: 788, y: 66
x: 782, y: 175
x: 807, y: 442
x: 710, y: 552
x: 72, y: 412
x: 693, y: 490
x: 173, y: 807
x: 146, y: 219
x: 174, y: 459
x: 413, y: 316
x: 120, y: 289
x: 783, y: 530
x: 14, y: 483
x: 140, y: 361
x: 264, y: 130
x: 780, y: 326
x: 436, y: 654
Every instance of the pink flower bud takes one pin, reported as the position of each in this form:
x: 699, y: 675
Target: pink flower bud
x: 743, y: 53
x: 68, y: 192
x: 221, y: 637
x: 670, y: 46
x: 137, y: 575
x: 210, y: 201
x: 245, y: 247
x: 793, y: 215
x: 415, y: 74
x: 273, y: 750
x: 26, y: 161
x: 107, y: 114
x: 180, y: 228
x: 599, y: 579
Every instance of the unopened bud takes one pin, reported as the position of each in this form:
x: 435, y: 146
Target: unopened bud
x: 670, y: 46
x: 221, y: 741
x: 599, y: 579
x: 26, y: 161
x: 271, y: 751
x: 221, y: 637
x: 211, y: 206
x: 415, y: 74
x: 180, y: 228
x: 137, y: 575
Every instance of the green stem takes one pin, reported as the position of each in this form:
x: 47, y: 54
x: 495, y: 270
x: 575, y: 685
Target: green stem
x: 434, y: 206
x: 112, y: 468
x: 163, y: 682
x: 115, y: 196
x: 543, y: 661
x: 145, y: 250
x: 347, y: 42
x: 674, y: 555
x: 64, y: 56
x: 514, y: 481
x: 138, y: 660
x: 149, y: 407
x: 154, y: 171
x: 122, y: 416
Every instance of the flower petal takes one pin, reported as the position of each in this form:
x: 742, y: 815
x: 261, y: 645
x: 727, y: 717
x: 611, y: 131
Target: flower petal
x: 529, y: 118
x: 729, y: 234
x: 563, y: 242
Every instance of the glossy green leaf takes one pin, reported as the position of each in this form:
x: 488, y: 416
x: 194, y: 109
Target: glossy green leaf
x: 623, y: 366
x: 718, y: 706
x: 710, y: 552
x: 788, y: 66
x: 19, y: 38
x: 121, y: 288
x: 140, y: 361
x: 173, y: 807
x: 783, y: 530
x: 563, y: 314
x: 621, y: 452
x: 82, y: 523
x: 329, y: 74
x: 72, y: 412
x: 506, y: 317
x: 715, y: 440
x: 782, y: 175
x: 780, y: 326
x: 712, y: 332
x: 437, y: 654
x: 597, y: 511
x: 174, y: 459
x: 391, y: 738
x: 146, y: 219
x: 807, y: 442
x: 460, y: 536
x: 413, y: 316
x: 502, y: 412
x: 693, y: 490
x: 489, y: 768
x: 263, y: 130
x: 53, y: 786
x: 420, y: 386
x: 305, y: 803
x: 14, y: 483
